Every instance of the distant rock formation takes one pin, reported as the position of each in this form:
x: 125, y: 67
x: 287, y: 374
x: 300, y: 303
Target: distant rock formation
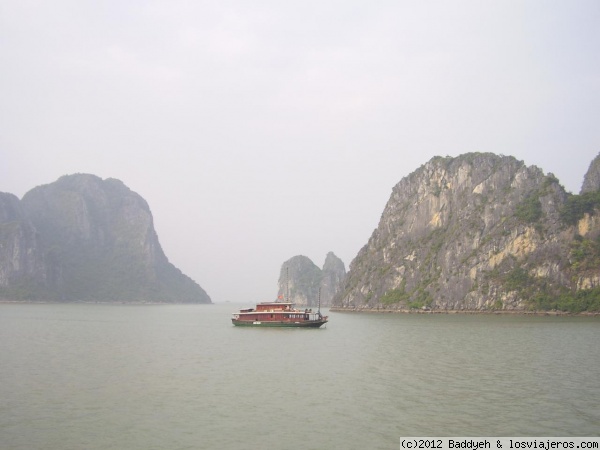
x: 23, y: 263
x: 591, y: 182
x: 304, y: 280
x: 332, y: 278
x: 82, y: 238
x: 481, y: 232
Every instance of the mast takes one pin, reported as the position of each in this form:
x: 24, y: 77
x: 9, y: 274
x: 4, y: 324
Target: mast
x: 319, y: 311
x: 287, y: 284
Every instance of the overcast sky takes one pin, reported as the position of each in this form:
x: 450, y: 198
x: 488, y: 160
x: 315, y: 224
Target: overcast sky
x: 259, y: 130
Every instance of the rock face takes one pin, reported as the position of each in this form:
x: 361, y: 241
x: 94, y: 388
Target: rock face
x: 591, y: 182
x: 82, y: 238
x: 304, y: 280
x: 479, y: 232
x: 23, y: 263
x: 332, y: 278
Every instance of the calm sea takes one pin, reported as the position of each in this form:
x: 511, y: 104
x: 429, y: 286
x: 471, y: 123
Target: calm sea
x: 182, y: 377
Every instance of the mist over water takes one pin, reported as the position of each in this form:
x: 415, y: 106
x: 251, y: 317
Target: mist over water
x: 182, y: 377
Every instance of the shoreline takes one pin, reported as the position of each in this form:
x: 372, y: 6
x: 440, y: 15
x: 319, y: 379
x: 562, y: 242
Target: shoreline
x: 464, y: 311
x: 50, y: 302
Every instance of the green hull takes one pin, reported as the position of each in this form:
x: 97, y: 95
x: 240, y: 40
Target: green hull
x: 304, y: 324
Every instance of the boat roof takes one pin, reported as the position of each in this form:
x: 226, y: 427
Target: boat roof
x: 275, y: 303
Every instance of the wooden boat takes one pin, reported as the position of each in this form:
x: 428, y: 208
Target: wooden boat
x: 278, y: 314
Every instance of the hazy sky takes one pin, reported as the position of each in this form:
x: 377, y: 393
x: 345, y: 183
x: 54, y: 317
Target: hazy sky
x: 259, y: 130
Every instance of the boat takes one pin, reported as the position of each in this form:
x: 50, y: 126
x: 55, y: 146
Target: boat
x: 278, y: 314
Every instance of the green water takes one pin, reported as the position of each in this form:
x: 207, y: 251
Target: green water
x: 182, y: 377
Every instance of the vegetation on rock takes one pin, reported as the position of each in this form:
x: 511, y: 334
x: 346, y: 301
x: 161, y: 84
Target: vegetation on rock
x: 82, y: 238
x: 481, y: 232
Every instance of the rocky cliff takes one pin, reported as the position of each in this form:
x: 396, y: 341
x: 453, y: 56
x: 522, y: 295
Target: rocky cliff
x: 304, y: 280
x: 332, y: 278
x: 480, y: 232
x: 82, y: 238
x: 591, y: 182
x: 23, y: 266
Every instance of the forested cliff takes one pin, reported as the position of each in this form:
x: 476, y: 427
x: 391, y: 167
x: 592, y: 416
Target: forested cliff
x: 82, y: 238
x: 481, y: 232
